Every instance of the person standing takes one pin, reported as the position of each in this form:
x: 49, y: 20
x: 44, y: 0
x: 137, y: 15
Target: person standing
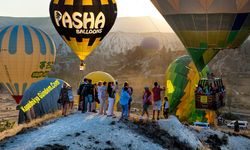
x: 124, y: 100
x: 103, y: 93
x: 64, y: 99
x: 89, y: 96
x: 116, y: 88
x: 81, y: 93
x: 95, y: 99
x: 146, y: 100
x: 166, y: 106
x: 130, y: 92
x: 157, y: 100
x: 236, y: 126
x: 99, y: 86
x: 71, y: 98
x: 111, y: 98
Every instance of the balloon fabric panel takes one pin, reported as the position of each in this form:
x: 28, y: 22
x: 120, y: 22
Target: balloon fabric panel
x: 206, y: 27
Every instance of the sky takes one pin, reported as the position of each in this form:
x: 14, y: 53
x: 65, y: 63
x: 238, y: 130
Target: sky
x: 40, y: 8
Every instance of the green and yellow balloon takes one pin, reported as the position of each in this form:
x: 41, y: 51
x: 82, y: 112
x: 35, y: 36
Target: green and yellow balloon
x: 207, y: 26
x: 182, y: 78
x: 83, y: 23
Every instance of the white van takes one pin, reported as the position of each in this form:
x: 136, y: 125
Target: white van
x: 202, y: 125
x: 242, y: 124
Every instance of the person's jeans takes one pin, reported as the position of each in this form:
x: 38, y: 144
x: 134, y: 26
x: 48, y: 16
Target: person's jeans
x: 88, y: 102
x: 125, y: 111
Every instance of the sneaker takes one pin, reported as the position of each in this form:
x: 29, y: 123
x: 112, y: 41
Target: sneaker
x: 109, y: 115
x: 121, y: 119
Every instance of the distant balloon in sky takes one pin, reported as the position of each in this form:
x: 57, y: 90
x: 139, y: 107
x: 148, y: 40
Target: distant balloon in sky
x: 150, y: 43
x: 207, y: 26
x: 83, y: 23
x: 26, y: 56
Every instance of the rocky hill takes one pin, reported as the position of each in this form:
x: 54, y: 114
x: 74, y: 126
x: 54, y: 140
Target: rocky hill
x: 234, y: 67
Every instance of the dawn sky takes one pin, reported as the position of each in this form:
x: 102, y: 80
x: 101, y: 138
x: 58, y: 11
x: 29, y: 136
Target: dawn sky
x: 40, y: 8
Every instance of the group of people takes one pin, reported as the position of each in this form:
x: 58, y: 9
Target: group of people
x: 157, y: 102
x: 209, y: 89
x: 104, y: 94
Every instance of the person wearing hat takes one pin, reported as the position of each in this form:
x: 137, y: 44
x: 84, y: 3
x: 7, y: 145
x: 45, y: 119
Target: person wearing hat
x: 147, y: 101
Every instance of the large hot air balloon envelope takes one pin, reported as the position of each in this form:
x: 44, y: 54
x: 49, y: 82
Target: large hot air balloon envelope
x: 48, y: 92
x: 207, y: 26
x: 83, y: 23
x: 182, y: 78
x: 26, y: 56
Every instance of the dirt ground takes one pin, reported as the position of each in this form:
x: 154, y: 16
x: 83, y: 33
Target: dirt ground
x: 8, y: 108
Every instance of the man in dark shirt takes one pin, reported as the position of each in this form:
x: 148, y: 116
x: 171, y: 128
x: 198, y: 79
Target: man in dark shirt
x: 89, y: 94
x: 81, y: 104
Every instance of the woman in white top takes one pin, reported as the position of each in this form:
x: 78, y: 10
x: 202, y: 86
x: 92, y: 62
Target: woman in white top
x: 102, y: 92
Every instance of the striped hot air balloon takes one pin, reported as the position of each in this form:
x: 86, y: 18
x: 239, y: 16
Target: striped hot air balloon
x: 182, y: 77
x: 207, y: 26
x: 26, y: 56
x: 83, y: 23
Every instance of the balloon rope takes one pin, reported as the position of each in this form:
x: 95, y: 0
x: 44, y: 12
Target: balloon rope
x: 154, y: 24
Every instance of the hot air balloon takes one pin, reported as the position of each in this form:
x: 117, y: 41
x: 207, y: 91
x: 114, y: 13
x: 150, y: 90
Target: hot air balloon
x: 51, y: 88
x: 100, y: 76
x: 26, y: 56
x: 207, y: 26
x: 83, y: 23
x: 182, y: 78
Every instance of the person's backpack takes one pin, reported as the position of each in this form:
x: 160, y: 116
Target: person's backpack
x: 84, y: 90
x: 89, y: 89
